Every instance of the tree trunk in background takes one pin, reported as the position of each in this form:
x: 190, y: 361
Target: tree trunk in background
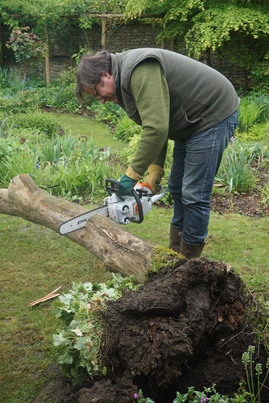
x: 103, y: 41
x: 47, y: 65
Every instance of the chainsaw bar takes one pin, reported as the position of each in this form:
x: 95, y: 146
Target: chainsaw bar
x: 79, y: 221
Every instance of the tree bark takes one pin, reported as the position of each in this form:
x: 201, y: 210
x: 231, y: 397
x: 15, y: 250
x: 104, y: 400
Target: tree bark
x: 119, y: 250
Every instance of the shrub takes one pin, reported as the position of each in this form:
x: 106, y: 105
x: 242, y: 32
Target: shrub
x: 41, y: 121
x: 108, y: 113
x: 59, y: 97
x: 126, y: 129
x: 257, y: 132
x: 19, y: 103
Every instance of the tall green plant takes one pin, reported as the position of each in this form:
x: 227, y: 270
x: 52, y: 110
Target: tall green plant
x: 64, y: 165
x: 249, y: 112
x: 253, y: 370
x: 235, y: 172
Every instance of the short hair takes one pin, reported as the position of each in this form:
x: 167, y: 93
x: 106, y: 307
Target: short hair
x: 89, y: 71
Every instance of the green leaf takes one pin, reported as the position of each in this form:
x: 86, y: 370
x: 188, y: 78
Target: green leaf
x: 65, y: 359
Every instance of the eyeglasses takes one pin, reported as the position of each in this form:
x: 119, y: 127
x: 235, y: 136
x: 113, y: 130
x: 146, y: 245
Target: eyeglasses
x: 96, y: 93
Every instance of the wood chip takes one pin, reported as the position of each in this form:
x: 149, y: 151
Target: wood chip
x: 51, y: 295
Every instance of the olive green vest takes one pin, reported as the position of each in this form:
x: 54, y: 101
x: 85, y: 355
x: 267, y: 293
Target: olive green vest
x: 200, y: 97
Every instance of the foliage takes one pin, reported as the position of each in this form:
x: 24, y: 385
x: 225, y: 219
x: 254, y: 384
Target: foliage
x: 108, y: 113
x: 140, y: 399
x: 249, y: 112
x: 19, y: 103
x: 237, y: 29
x: 217, y: 25
x: 193, y: 396
x: 259, y: 75
x: 40, y: 121
x: 265, y: 195
x: 10, y: 80
x: 235, y: 172
x: 257, y: 132
x: 78, y: 344
x: 51, y: 12
x: 261, y: 99
x: 126, y: 129
x: 251, y: 371
x: 64, y: 164
x: 207, y: 395
x: 28, y: 49
x: 60, y: 95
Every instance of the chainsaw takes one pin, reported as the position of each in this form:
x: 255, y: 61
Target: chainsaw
x: 121, y: 209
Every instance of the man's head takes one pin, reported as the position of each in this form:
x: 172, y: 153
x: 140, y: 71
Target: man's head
x: 94, y: 77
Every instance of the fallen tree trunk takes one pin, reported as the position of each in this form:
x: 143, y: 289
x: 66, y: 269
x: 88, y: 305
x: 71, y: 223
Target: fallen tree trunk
x: 119, y: 250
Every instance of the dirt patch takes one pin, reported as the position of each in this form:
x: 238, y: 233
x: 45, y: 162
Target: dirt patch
x: 249, y: 204
x: 186, y: 326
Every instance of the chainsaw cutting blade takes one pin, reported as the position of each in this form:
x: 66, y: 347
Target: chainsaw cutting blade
x: 80, y: 221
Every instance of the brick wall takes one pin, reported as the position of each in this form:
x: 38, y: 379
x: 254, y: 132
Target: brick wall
x: 120, y: 37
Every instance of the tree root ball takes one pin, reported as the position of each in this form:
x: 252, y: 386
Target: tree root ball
x: 185, y: 326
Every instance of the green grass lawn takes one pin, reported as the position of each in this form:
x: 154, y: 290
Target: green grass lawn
x: 35, y: 260
x: 87, y: 126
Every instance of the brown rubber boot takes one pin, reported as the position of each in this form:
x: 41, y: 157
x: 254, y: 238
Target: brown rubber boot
x: 190, y: 250
x: 175, y: 238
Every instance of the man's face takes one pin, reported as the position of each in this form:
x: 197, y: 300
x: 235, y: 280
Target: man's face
x: 104, y: 90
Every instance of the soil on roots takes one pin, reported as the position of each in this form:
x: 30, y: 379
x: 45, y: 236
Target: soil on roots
x: 187, y: 325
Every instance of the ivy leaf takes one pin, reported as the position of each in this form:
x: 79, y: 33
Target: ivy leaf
x: 65, y: 358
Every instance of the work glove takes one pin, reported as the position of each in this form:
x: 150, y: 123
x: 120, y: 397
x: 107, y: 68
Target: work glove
x: 155, y: 174
x: 126, y: 185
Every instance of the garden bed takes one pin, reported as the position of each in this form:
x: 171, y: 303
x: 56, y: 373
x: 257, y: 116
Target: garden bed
x: 248, y: 204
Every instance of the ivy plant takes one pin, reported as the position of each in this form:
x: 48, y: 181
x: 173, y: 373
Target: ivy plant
x: 78, y: 344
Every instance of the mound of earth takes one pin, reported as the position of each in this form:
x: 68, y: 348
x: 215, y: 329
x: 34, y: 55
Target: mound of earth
x: 187, y: 325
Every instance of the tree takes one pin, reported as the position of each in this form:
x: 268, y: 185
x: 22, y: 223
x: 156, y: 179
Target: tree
x: 29, y: 50
x: 235, y: 28
x: 54, y: 16
x: 240, y: 31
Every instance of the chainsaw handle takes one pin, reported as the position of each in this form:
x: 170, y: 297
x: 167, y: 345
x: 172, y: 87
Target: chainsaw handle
x: 158, y: 196
x: 113, y: 186
x: 139, y: 206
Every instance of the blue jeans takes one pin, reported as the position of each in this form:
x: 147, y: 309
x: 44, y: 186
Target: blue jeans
x: 190, y: 182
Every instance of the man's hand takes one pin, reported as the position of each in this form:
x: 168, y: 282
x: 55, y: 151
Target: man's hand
x: 155, y: 174
x: 126, y: 185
